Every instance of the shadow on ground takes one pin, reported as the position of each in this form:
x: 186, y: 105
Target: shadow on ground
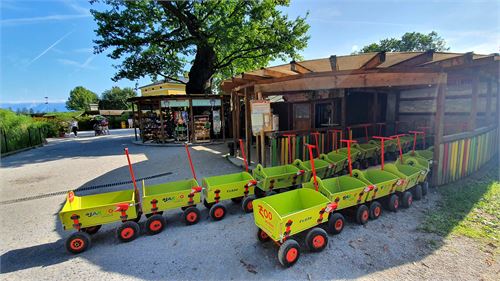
x: 229, y: 249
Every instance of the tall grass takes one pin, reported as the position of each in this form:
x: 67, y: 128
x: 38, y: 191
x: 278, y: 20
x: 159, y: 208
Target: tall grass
x: 19, y: 131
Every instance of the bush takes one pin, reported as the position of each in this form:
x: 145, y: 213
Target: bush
x: 20, y: 131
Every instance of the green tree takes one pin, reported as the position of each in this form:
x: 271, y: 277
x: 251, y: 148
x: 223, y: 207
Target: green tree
x: 409, y: 42
x: 80, y: 98
x: 165, y: 38
x: 116, y: 98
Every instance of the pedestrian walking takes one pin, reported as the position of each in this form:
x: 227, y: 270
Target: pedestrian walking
x: 74, y: 127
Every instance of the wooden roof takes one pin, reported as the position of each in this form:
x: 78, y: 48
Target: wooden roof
x: 360, y: 63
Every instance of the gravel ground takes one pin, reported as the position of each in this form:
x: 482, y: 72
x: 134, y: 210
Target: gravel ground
x: 32, y: 239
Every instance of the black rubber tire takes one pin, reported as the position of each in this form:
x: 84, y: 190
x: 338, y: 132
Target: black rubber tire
x: 247, y: 204
x: 283, y: 251
x: 133, y: 233
x: 417, y: 192
x: 151, y: 214
x: 362, y: 214
x: 316, y: 235
x: 155, y: 224
x: 365, y: 163
x: 262, y: 236
x: 259, y: 193
x: 336, y: 223
x: 425, y: 188
x: 237, y: 200
x: 215, y: 214
x: 191, y: 215
x: 91, y: 230
x: 208, y: 205
x: 393, y: 203
x: 375, y: 210
x: 407, y: 199
x: 78, y: 242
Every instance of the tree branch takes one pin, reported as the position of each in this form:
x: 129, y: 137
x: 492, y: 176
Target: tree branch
x: 171, y: 78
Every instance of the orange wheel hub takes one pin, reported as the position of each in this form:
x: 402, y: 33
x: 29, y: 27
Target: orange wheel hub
x: 365, y: 215
x: 191, y: 217
x: 338, y: 225
x: 77, y: 244
x: 126, y: 233
x: 250, y: 205
x: 318, y: 241
x: 155, y: 225
x: 219, y: 212
x: 291, y: 255
x: 377, y: 211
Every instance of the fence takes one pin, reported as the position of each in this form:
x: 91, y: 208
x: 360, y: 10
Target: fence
x: 462, y: 154
x: 23, y: 138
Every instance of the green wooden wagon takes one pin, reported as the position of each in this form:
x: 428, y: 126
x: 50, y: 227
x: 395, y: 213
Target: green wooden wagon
x: 322, y: 168
x: 337, y: 161
x: 277, y: 177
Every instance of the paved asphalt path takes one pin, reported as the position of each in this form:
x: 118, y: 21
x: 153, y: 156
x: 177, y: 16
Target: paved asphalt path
x: 32, y: 239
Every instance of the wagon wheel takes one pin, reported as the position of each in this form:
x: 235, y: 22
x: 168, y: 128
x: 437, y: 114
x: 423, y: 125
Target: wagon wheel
x: 259, y: 193
x: 289, y: 253
x: 336, y: 223
x: 247, y: 204
x: 91, y: 230
x: 393, y: 203
x: 316, y: 239
x: 375, y: 210
x: 407, y: 199
x: 425, y: 188
x: 78, y: 242
x: 155, y: 224
x: 362, y: 214
x: 192, y: 215
x: 217, y: 212
x: 128, y: 231
x: 151, y: 214
x: 262, y: 236
x: 417, y: 192
x: 237, y: 200
x: 207, y: 205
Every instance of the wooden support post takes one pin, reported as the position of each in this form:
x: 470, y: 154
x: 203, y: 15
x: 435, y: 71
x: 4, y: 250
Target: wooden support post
x: 374, y: 112
x: 438, y: 127
x: 162, y: 129
x: 473, y: 106
x: 191, y: 122
x: 343, y: 121
x: 141, y: 127
x: 487, y: 113
x: 248, y: 125
x: 222, y: 119
x: 396, y: 112
x: 133, y: 121
x: 263, y: 138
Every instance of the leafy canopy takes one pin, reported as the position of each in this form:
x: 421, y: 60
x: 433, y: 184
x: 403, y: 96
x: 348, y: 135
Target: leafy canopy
x: 223, y: 37
x: 409, y: 42
x: 116, y: 98
x: 80, y: 98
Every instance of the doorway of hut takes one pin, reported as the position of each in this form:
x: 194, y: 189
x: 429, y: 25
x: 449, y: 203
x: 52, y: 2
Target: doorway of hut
x: 366, y: 108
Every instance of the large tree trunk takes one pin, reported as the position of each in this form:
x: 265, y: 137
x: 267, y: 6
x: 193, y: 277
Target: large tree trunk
x: 201, y: 71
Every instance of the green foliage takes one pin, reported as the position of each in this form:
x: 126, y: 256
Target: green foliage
x: 470, y: 208
x: 159, y: 38
x: 409, y: 42
x: 80, y: 98
x: 116, y: 98
x: 19, y: 131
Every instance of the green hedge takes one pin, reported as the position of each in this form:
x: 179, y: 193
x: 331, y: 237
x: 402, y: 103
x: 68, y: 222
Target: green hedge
x: 20, y: 131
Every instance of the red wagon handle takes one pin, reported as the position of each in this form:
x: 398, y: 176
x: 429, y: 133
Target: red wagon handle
x: 310, y: 147
x: 399, y: 145
x: 190, y: 161
x: 415, y: 133
x: 244, y: 155
x: 382, y: 141
x: 131, y: 170
x: 349, y: 159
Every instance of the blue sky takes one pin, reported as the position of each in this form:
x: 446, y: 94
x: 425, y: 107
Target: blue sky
x: 46, y: 46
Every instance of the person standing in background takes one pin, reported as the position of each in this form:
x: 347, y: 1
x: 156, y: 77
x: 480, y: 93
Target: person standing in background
x: 130, y: 122
x: 74, y: 127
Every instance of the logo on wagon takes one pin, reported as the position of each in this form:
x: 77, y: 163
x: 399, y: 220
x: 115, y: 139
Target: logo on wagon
x: 167, y: 199
x: 265, y: 213
x: 93, y: 214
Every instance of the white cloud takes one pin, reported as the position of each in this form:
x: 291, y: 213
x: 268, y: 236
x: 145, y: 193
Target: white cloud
x: 83, y: 65
x: 33, y: 20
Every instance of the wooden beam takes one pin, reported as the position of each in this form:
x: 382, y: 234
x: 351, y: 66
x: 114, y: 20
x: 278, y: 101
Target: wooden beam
x: 252, y: 77
x: 273, y: 73
x: 464, y: 59
x: 375, y: 61
x: 333, y: 63
x: 473, y: 107
x: 297, y: 68
x: 416, y: 60
x: 438, y: 129
x: 350, y: 81
x: 248, y: 125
